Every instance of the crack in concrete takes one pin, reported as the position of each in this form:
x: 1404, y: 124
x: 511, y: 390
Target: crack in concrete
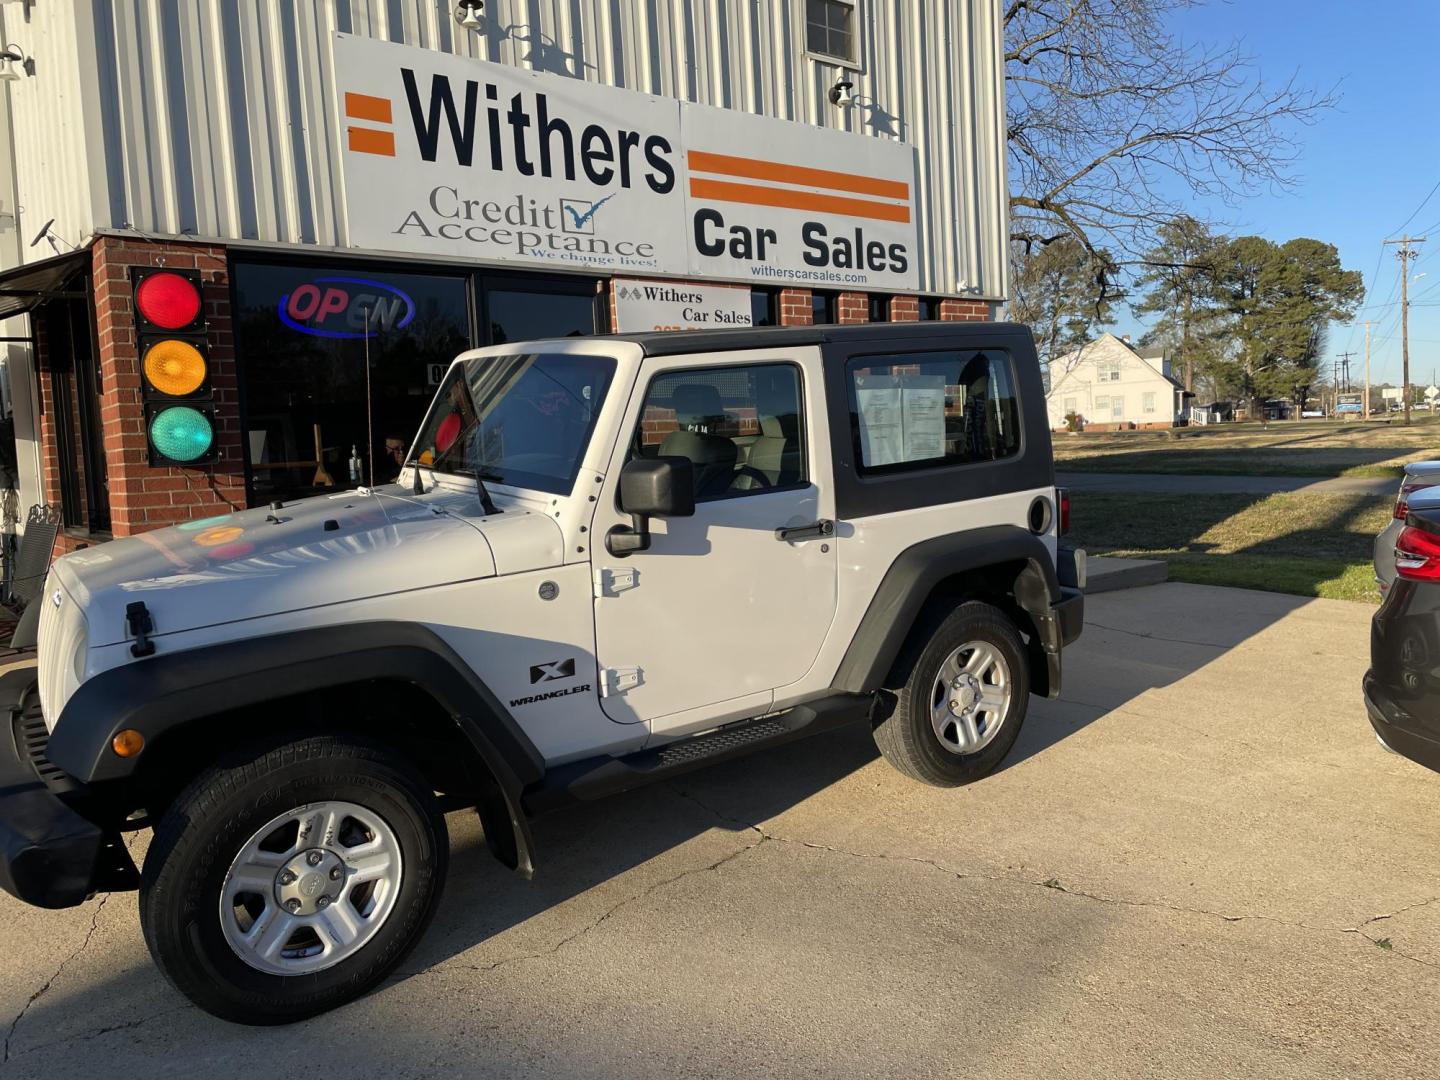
x: 38, y: 994
x: 589, y: 927
x: 85, y: 1036
x: 1054, y: 885
x: 1156, y: 637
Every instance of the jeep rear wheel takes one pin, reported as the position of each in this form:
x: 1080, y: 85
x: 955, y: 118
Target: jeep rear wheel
x: 294, y: 881
x: 964, y: 696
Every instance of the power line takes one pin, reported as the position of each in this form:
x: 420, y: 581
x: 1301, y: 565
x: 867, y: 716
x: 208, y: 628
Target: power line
x: 1422, y: 205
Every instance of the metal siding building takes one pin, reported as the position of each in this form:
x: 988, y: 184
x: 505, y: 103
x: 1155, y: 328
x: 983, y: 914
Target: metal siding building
x: 207, y: 134
x: 216, y: 119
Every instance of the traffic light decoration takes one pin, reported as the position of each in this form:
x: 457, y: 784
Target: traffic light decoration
x: 174, y: 366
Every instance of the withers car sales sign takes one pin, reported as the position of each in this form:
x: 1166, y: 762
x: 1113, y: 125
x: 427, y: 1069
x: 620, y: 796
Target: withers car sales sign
x: 449, y: 156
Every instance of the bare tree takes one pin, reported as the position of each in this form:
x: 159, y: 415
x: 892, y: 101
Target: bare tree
x: 1115, y: 125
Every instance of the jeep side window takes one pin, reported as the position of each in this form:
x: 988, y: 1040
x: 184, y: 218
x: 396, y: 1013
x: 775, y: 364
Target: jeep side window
x: 932, y: 409
x: 741, y: 427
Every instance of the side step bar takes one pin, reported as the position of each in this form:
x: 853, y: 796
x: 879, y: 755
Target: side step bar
x: 594, y: 778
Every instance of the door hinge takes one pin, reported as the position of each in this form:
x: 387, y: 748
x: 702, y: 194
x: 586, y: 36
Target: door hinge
x: 612, y: 581
x: 618, y: 680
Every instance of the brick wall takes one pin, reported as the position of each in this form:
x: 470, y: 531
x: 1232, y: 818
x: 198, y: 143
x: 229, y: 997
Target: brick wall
x: 795, y: 308
x: 904, y: 309
x: 964, y: 311
x: 853, y: 307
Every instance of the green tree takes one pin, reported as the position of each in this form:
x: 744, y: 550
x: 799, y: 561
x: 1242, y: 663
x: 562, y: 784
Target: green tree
x: 1177, y: 284
x: 1281, y: 300
x: 1060, y: 293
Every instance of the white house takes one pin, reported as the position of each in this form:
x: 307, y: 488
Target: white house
x: 1113, y: 385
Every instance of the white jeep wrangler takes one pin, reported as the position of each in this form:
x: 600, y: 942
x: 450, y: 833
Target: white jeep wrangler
x: 607, y: 561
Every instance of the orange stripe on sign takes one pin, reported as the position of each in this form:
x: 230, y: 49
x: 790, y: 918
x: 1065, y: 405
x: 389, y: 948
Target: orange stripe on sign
x: 367, y: 141
x: 365, y: 107
x: 725, y: 191
x: 755, y: 169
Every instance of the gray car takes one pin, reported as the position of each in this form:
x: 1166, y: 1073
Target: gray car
x: 1419, y: 475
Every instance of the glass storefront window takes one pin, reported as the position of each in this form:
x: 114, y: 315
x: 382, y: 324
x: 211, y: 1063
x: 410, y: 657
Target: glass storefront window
x: 301, y: 341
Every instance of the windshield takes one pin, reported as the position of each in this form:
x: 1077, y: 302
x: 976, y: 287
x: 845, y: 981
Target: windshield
x: 522, y: 420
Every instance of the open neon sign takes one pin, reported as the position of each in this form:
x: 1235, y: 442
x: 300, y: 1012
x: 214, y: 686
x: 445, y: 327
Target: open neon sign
x: 346, y: 307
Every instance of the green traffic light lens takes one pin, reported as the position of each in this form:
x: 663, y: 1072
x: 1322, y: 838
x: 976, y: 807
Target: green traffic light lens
x: 181, y: 433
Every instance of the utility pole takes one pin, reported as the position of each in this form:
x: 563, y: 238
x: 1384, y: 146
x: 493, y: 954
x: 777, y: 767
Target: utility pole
x: 1367, y: 369
x: 1405, y: 255
x: 1344, y: 359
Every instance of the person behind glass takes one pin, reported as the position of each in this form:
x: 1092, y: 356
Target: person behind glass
x: 394, y: 457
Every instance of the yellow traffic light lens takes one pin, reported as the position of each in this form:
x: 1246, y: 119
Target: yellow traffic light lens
x: 174, y: 367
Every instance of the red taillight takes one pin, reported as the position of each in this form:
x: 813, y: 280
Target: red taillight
x: 1417, y: 555
x: 1062, y: 496
x: 1402, y: 506
x: 168, y: 301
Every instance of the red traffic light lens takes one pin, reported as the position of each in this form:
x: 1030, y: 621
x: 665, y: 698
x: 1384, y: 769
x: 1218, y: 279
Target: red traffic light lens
x: 168, y: 300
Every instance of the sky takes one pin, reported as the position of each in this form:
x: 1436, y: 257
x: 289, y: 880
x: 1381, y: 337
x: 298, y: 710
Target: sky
x: 1365, y: 167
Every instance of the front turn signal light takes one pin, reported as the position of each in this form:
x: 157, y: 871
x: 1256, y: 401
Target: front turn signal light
x: 127, y: 743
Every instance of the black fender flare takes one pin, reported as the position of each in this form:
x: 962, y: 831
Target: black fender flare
x: 167, y: 691
x: 916, y: 571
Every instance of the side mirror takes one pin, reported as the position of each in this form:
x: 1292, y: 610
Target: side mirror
x: 651, y: 487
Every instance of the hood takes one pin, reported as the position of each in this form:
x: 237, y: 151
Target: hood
x: 311, y: 552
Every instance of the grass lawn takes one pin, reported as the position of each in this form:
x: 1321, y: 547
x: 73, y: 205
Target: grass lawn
x: 1283, y: 448
x: 1308, y: 545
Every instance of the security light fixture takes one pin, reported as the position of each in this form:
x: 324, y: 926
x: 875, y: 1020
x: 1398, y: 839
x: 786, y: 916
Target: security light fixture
x: 14, y: 64
x: 468, y: 12
x: 842, y: 93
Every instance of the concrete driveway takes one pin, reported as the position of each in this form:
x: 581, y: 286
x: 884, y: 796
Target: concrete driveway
x: 1197, y: 864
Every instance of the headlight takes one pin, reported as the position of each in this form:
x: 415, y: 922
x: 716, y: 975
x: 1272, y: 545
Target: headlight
x: 63, y: 650
x: 77, y: 663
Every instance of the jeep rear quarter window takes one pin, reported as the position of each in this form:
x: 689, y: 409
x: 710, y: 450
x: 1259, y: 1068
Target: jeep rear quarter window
x: 931, y: 409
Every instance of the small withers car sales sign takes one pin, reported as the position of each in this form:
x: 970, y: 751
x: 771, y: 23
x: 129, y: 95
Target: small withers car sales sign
x: 659, y: 305
x: 443, y: 155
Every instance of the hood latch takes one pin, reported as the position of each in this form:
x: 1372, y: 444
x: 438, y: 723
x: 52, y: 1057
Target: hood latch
x: 141, y: 626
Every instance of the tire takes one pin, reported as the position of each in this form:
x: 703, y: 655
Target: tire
x: 908, y: 738
x: 379, y: 862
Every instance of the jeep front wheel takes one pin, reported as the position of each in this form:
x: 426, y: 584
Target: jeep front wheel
x: 286, y: 884
x: 963, y: 699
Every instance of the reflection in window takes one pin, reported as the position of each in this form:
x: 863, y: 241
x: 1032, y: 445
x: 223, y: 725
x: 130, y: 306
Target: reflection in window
x: 830, y: 28
x: 301, y: 340
x: 823, y: 307
x: 521, y: 420
x: 740, y: 427
x: 765, y: 307
x: 932, y: 409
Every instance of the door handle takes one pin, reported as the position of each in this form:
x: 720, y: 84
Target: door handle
x: 813, y: 531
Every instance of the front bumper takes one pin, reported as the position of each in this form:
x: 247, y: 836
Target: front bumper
x: 1398, y: 730
x: 51, y: 854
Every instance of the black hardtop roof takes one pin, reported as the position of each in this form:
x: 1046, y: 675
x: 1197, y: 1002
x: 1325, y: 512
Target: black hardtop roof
x: 676, y: 342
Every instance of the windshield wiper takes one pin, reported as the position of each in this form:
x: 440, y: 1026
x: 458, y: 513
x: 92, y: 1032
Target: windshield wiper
x: 418, y: 488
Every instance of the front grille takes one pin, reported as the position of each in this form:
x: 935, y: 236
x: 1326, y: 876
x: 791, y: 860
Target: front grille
x: 32, y: 738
